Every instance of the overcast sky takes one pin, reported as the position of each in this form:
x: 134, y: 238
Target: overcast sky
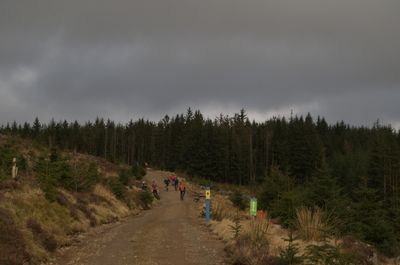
x: 124, y: 59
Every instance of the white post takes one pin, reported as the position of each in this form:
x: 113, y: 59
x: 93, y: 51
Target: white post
x: 14, y: 171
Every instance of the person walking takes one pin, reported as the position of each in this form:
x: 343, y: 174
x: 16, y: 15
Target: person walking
x: 172, y: 179
x: 182, y: 189
x: 144, y: 185
x: 176, y: 183
x: 166, y: 182
x: 155, y: 190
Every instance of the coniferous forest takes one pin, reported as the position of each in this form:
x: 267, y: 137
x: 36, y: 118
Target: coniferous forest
x: 351, y: 172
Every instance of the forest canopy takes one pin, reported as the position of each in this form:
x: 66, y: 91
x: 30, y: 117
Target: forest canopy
x: 350, y: 170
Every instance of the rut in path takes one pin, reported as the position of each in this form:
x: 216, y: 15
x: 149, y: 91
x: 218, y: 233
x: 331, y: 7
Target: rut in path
x: 169, y: 234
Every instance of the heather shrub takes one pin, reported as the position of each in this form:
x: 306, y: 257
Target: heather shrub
x: 12, y: 244
x: 46, y: 239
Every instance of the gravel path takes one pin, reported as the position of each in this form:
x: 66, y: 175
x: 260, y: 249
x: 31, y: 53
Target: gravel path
x: 169, y: 234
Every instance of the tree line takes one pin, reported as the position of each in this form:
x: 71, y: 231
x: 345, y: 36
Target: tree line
x: 337, y: 163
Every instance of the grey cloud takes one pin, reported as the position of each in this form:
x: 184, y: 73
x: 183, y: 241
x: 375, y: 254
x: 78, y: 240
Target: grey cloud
x: 128, y: 59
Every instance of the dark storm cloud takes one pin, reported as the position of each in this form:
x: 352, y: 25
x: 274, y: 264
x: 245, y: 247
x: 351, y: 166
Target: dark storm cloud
x: 130, y: 59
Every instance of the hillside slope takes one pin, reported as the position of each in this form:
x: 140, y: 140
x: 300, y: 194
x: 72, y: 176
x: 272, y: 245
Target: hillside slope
x: 56, y: 196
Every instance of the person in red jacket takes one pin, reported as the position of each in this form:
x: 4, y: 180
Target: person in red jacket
x: 182, y: 189
x: 172, y: 178
x: 155, y: 190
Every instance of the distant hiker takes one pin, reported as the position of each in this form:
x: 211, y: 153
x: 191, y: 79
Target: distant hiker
x: 182, y: 189
x: 176, y: 183
x: 166, y: 182
x: 172, y: 178
x: 155, y: 190
x: 144, y: 185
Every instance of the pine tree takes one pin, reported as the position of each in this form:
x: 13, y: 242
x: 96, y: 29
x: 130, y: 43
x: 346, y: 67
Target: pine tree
x: 36, y: 128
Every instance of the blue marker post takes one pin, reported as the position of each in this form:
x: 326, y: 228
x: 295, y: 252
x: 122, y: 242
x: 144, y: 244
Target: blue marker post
x: 208, y: 205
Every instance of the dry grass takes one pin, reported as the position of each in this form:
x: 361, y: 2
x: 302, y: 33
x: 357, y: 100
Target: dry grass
x: 312, y: 224
x: 46, y: 239
x: 258, y: 231
x: 218, y: 212
x: 252, y: 246
x: 38, y: 226
x: 223, y: 229
x: 223, y: 208
x: 258, y: 243
x: 106, y: 168
x: 45, y: 225
x: 12, y: 244
x: 117, y: 207
x: 243, y: 252
x: 30, y: 203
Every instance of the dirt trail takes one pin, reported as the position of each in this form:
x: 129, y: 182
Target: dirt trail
x: 169, y: 234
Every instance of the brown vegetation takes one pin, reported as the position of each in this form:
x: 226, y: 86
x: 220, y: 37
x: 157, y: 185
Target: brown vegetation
x: 312, y: 224
x: 262, y: 241
x: 32, y: 227
x: 12, y: 244
x: 46, y: 239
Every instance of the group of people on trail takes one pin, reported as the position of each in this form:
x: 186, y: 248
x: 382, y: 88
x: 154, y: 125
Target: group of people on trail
x: 174, y: 180
x: 178, y: 185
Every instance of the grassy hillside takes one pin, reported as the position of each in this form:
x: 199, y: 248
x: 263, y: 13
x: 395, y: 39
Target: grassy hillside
x: 57, y: 195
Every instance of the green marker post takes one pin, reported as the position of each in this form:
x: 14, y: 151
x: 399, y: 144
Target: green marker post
x: 253, y: 207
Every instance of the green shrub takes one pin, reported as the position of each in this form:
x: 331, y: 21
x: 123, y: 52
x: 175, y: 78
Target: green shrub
x: 290, y: 255
x: 328, y: 255
x: 146, y: 198
x: 57, y: 172
x: 238, y: 200
x: 87, y: 176
x: 370, y: 222
x: 117, y: 188
x: 236, y: 227
x: 54, y: 154
x: 138, y: 171
x: 48, y: 182
x: 50, y: 191
x: 275, y: 184
x: 62, y: 173
x: 124, y: 176
x: 286, y: 204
